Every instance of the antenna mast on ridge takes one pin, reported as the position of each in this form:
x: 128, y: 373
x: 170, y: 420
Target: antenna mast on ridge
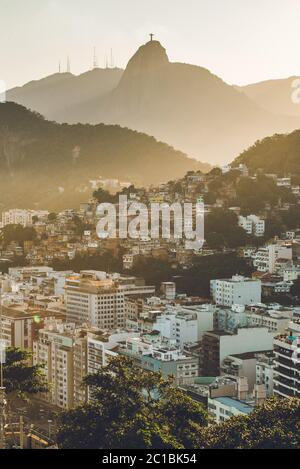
x: 111, y: 59
x: 95, y: 59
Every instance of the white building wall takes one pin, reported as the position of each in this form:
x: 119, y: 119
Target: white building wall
x: 254, y: 339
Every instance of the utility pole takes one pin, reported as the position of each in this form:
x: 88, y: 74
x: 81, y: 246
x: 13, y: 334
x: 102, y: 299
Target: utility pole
x: 21, y: 432
x: 49, y: 428
x: 2, y: 388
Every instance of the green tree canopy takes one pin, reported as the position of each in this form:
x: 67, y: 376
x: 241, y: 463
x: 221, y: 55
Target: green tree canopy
x: 275, y: 424
x: 132, y: 408
x: 221, y: 228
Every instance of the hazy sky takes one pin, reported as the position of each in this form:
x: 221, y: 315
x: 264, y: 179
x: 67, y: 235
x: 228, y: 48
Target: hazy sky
x: 242, y: 41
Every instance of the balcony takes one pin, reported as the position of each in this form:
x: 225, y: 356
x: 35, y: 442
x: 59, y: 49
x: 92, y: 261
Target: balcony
x: 285, y: 362
x: 283, y: 391
x: 285, y: 382
x: 286, y: 372
x: 283, y: 341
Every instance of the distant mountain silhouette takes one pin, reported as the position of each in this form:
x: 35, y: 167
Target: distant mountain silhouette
x: 56, y: 94
x: 183, y: 105
x: 276, y: 95
x: 49, y: 165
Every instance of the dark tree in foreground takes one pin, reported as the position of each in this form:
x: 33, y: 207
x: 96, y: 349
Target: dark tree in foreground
x: 276, y: 424
x: 135, y: 409
x: 132, y: 408
x: 20, y: 377
x: 21, y: 380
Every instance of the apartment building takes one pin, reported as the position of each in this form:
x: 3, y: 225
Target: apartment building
x: 98, y: 298
x: 253, y: 225
x: 265, y: 258
x: 95, y: 301
x: 101, y: 346
x: 21, y: 217
x: 235, y: 291
x: 239, y: 366
x: 21, y: 324
x: 54, y: 348
x: 287, y: 362
x: 275, y: 321
x: 217, y: 345
x: 179, y: 327
x: 168, y: 290
x: 180, y: 324
x: 154, y: 354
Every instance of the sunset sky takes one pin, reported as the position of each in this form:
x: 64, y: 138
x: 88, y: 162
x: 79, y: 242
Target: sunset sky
x: 241, y: 41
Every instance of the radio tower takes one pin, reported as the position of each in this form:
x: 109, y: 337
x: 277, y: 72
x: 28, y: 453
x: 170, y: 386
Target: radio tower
x: 95, y: 59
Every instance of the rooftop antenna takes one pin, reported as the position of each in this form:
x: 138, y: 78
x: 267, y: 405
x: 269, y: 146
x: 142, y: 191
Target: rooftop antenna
x: 95, y: 60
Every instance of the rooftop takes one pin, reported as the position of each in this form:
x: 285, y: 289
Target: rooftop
x: 239, y: 405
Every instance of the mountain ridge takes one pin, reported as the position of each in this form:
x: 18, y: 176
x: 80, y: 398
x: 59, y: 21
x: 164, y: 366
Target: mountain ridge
x: 48, y: 165
x: 184, y: 105
x: 278, y: 154
x: 276, y: 95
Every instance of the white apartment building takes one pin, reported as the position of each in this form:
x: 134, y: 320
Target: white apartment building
x: 168, y: 290
x: 102, y: 346
x: 287, y: 362
x: 20, y: 324
x: 264, y: 259
x: 181, y: 328
x: 218, y: 345
x: 275, y: 321
x: 69, y: 354
x: 25, y: 273
x: 291, y: 273
x: 180, y: 325
x: 250, y: 339
x: 128, y: 260
x: 236, y: 291
x: 96, y: 302
x: 54, y: 349
x: 98, y: 299
x: 154, y: 354
x: 253, y: 225
x: 21, y: 217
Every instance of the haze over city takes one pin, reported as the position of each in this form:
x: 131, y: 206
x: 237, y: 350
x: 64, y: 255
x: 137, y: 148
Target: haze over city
x: 149, y: 228
x: 238, y: 41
